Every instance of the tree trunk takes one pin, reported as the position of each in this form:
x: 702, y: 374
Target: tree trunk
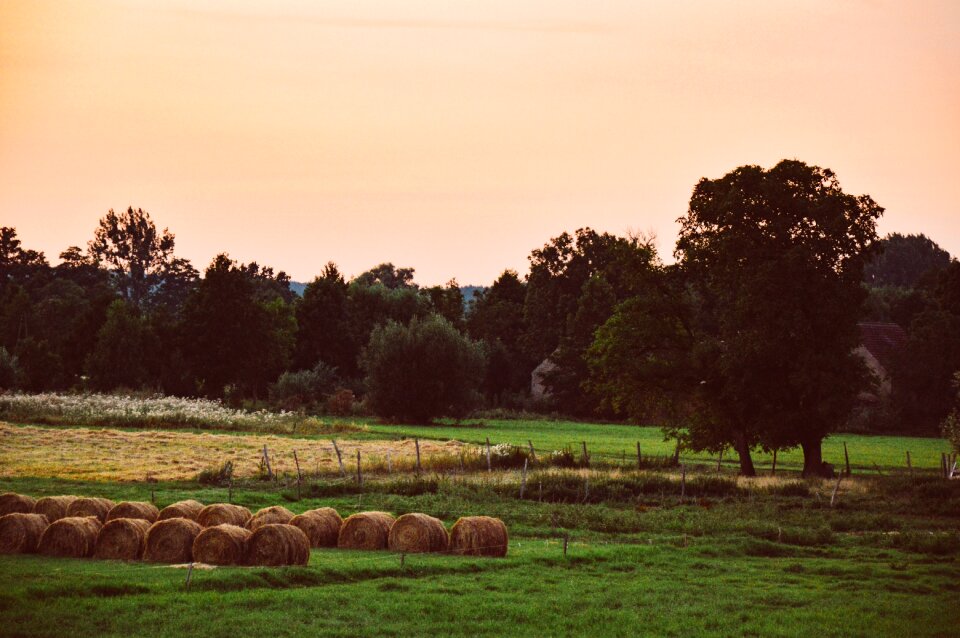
x: 746, y: 461
x: 813, y: 465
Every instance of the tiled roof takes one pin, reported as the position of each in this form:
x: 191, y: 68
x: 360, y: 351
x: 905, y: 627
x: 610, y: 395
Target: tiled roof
x: 882, y: 340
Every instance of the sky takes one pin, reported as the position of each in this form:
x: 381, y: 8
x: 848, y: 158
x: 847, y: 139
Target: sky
x: 456, y: 136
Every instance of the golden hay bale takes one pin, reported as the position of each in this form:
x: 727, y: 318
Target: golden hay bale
x: 73, y: 537
x: 134, y: 509
x: 415, y: 533
x: 20, y: 533
x: 171, y: 541
x: 53, y: 507
x: 366, y: 530
x: 181, y: 509
x: 276, y: 514
x: 479, y: 536
x: 221, y: 545
x: 11, y: 503
x: 223, y: 514
x: 122, y: 539
x: 277, y: 544
x: 98, y: 507
x: 322, y: 526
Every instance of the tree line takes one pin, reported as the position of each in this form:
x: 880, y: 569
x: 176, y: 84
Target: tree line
x: 746, y: 341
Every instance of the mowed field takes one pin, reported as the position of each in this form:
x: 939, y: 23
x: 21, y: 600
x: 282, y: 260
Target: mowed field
x: 728, y: 557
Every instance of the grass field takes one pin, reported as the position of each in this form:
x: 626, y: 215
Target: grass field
x: 648, y: 553
x: 752, y: 562
x: 616, y: 442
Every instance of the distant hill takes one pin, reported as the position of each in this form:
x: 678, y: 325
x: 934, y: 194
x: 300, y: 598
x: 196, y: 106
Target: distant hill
x: 298, y: 287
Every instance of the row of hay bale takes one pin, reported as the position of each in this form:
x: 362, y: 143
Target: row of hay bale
x: 225, y: 534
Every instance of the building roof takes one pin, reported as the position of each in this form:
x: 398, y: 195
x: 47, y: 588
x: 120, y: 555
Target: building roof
x: 882, y: 340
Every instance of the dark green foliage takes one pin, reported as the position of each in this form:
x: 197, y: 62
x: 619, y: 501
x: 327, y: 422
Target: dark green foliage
x: 304, y: 388
x: 120, y: 356
x: 778, y: 257
x: 446, y: 301
x: 575, y: 282
x: 233, y: 338
x: 325, y: 331
x: 903, y: 260
x: 496, y: 318
x: 40, y: 367
x: 9, y: 370
x: 423, y: 370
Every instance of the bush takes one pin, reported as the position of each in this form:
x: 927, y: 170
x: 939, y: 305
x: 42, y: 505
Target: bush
x: 341, y: 402
x: 421, y: 371
x: 8, y: 370
x: 302, y: 389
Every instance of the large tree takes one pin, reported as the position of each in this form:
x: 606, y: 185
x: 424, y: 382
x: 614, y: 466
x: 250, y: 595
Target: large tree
x: 778, y: 256
x: 325, y: 333
x: 139, y: 257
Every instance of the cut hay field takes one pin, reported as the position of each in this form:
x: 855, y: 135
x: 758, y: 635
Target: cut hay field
x: 110, y: 454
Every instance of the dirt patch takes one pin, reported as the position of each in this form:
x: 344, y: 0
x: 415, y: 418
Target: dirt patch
x: 116, y: 455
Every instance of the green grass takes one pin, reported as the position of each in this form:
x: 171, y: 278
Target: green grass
x: 618, y: 442
x: 766, y: 559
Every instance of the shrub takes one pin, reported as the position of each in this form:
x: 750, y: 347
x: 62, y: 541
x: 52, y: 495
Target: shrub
x: 294, y: 390
x: 421, y: 371
x: 341, y: 402
x: 8, y: 369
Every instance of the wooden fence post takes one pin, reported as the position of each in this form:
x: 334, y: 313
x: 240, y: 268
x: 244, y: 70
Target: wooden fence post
x: 586, y: 456
x: 683, y: 481
x: 719, y: 460
x: 389, y: 464
x: 266, y: 460
x: 639, y: 457
x: 299, y: 475
x: 533, y: 453
x: 773, y: 470
x: 846, y: 457
x: 416, y: 443
x: 836, y: 488
x: 336, y: 448
x: 489, y: 465
x: 359, y: 473
x: 909, y: 464
x: 523, y: 479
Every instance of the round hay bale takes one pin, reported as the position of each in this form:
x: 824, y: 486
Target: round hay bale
x: 221, y: 545
x: 418, y: 533
x: 11, y: 503
x: 223, y: 514
x: 122, y: 539
x: 53, y: 507
x: 322, y: 526
x: 98, y: 507
x: 181, y: 509
x: 275, y: 514
x: 20, y: 533
x: 134, y: 509
x: 171, y: 541
x: 479, y: 536
x: 366, y: 530
x: 276, y: 544
x: 71, y: 537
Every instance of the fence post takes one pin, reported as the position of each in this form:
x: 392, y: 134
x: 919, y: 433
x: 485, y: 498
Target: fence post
x: 266, y: 460
x: 389, y: 464
x: 489, y: 466
x: 683, y: 481
x: 836, y: 488
x: 416, y: 443
x: 523, y: 479
x: 909, y: 464
x: 719, y: 460
x: 359, y: 474
x: 299, y: 475
x: 773, y: 470
x: 336, y: 448
x: 533, y: 453
x: 586, y: 456
x: 639, y: 458
x: 846, y: 457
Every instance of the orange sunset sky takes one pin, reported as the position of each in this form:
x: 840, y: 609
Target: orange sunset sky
x: 456, y: 136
